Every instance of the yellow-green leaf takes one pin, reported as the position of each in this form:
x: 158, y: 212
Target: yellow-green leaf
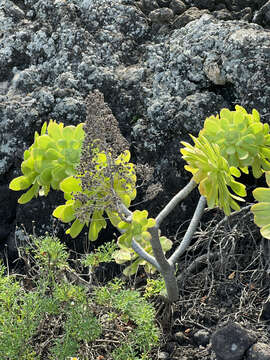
x: 75, y: 228
x: 97, y: 223
x: 265, y: 231
x: 70, y: 184
x: 262, y: 194
x: 26, y: 197
x: 20, y: 183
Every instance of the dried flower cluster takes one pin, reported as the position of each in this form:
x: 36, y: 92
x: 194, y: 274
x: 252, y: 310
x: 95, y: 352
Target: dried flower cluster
x: 101, y: 127
x: 102, y: 136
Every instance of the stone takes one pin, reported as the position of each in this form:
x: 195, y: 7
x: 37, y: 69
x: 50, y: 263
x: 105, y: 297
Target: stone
x: 187, y: 16
x: 163, y: 3
x: 223, y: 14
x: 204, y: 4
x: 181, y: 338
x: 161, y: 16
x: 262, y: 16
x: 177, y: 6
x: 14, y: 11
x: 245, y: 14
x: 202, y: 337
x: 149, y: 5
x: 162, y: 355
x: 231, y: 342
x: 259, y: 351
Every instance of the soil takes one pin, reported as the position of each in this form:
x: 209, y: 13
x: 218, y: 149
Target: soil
x: 231, y: 286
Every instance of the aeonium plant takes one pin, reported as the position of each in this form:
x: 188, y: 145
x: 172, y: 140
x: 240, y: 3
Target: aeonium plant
x: 261, y: 210
x: 52, y: 157
x: 98, y: 180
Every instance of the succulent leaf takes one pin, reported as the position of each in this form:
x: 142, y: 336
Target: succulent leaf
x: 261, y: 210
x: 97, y: 223
x: 46, y: 163
x: 33, y: 191
x: 20, y: 183
x: 213, y: 174
x: 137, y: 230
x: 242, y: 138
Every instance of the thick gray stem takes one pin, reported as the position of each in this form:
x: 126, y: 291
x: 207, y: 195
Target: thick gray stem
x: 182, y: 194
x: 166, y: 270
x: 165, y: 267
x: 190, y: 231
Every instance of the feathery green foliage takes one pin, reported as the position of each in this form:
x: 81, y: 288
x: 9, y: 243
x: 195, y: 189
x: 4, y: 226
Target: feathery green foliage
x: 66, y: 313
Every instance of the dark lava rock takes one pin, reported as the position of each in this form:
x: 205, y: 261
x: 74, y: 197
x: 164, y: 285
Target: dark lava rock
x: 202, y: 337
x: 161, y: 16
x: 204, y: 4
x: 149, y: 5
x: 231, y: 342
x: 262, y: 16
x: 177, y: 6
x: 189, y: 15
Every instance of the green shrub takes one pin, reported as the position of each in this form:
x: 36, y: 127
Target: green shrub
x: 68, y: 315
x: 131, y: 305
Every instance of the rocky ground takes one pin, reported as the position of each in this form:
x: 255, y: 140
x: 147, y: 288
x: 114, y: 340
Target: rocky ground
x: 223, y: 311
x: 163, y: 66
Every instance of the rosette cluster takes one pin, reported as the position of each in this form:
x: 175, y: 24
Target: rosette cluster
x: 243, y: 140
x: 213, y: 174
x: 261, y: 210
x: 229, y: 142
x: 52, y: 157
x: 137, y: 229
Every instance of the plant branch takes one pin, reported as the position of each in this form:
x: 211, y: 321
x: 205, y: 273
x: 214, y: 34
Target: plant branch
x: 182, y: 194
x: 143, y: 254
x: 166, y: 270
x: 122, y: 209
x: 190, y: 231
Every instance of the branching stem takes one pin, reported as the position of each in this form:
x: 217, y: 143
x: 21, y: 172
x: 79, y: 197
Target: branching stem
x: 190, y: 231
x: 144, y: 255
x: 182, y: 194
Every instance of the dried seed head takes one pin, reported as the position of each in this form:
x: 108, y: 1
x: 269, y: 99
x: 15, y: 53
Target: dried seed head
x: 102, y: 136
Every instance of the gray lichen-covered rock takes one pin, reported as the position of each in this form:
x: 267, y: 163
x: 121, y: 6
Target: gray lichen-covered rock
x: 159, y: 85
x: 207, y: 65
x: 161, y: 16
